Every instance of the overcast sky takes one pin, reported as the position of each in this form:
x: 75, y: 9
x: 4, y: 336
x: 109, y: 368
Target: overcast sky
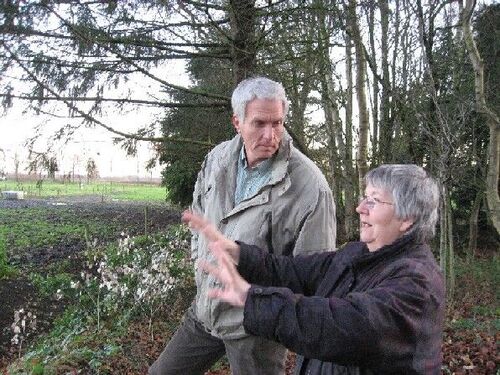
x: 87, y: 143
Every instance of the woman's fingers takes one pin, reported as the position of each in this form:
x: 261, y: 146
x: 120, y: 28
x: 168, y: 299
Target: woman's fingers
x: 226, y: 253
x: 213, y: 270
x: 234, y: 288
x: 201, y: 225
x: 228, y: 247
x: 205, y: 228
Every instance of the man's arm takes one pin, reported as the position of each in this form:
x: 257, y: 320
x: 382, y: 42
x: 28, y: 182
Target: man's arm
x: 319, y: 227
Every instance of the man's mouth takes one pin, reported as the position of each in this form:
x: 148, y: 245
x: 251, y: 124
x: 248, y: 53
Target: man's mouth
x: 364, y: 224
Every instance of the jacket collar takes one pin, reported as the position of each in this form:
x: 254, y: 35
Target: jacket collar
x: 393, y: 250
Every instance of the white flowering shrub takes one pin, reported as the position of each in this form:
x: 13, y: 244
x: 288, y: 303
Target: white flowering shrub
x: 137, y: 273
x: 125, y: 281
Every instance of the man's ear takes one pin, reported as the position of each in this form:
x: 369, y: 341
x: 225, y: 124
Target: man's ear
x: 236, y: 123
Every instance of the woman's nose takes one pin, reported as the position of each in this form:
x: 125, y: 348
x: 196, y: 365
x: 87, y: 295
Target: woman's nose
x: 361, y: 209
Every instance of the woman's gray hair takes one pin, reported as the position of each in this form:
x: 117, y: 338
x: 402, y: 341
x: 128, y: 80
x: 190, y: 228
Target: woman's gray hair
x: 257, y: 88
x: 415, y: 194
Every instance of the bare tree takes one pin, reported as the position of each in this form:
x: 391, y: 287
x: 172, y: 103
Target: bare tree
x: 490, y: 116
x: 362, y: 154
x: 339, y: 156
x: 92, y: 171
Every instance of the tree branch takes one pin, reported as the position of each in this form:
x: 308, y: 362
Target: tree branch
x: 131, y: 62
x: 92, y: 119
x: 116, y: 100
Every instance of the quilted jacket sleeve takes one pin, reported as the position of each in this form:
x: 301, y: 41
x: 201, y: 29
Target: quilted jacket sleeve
x: 302, y: 274
x: 394, y: 321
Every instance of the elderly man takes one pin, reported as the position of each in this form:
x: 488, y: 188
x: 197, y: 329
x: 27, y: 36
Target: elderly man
x: 259, y: 188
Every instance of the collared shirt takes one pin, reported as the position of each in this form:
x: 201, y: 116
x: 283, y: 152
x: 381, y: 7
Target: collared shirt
x: 249, y: 180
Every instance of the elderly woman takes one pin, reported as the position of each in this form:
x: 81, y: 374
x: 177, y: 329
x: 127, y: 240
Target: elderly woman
x: 373, y: 307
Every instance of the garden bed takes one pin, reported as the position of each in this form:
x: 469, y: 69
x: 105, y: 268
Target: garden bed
x: 42, y: 235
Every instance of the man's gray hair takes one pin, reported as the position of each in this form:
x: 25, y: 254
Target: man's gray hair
x: 415, y: 194
x: 257, y: 88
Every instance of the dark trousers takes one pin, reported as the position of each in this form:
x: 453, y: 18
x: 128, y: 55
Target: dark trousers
x: 192, y: 350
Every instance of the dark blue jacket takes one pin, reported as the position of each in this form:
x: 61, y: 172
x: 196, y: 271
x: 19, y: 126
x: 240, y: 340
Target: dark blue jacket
x: 350, y: 311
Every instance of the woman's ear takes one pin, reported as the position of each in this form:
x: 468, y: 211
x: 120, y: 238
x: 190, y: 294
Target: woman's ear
x: 406, y: 224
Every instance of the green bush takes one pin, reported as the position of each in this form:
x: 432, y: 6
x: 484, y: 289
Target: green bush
x: 52, y: 285
x: 179, y: 179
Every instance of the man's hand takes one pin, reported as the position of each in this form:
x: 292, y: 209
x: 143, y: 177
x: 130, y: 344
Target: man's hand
x: 210, y: 232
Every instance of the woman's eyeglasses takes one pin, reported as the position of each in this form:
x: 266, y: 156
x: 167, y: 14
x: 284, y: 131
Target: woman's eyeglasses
x: 371, y: 202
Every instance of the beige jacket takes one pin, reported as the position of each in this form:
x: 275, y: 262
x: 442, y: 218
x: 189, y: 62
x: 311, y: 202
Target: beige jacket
x: 292, y: 214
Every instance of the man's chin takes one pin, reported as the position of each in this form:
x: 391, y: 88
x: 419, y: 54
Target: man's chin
x: 268, y: 150
x: 266, y: 155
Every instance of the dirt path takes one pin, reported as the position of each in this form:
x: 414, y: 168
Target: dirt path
x: 18, y: 293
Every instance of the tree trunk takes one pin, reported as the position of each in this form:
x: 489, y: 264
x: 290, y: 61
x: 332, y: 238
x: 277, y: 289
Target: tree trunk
x: 398, y: 88
x: 351, y: 218
x: 242, y: 14
x: 386, y: 128
x: 375, y: 84
x: 364, y: 125
x: 298, y: 95
x: 471, y: 251
x: 492, y: 119
x: 451, y: 248
x: 443, y: 255
x: 446, y: 246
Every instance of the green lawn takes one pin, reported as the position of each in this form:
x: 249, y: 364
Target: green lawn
x: 111, y: 190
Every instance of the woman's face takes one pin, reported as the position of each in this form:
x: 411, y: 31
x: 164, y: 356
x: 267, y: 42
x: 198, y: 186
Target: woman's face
x: 378, y: 223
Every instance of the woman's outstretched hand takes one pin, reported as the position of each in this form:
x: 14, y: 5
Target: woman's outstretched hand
x: 227, y: 253
x: 234, y: 288
x: 210, y: 232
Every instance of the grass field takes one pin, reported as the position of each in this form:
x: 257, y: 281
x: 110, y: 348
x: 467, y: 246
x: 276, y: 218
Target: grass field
x: 109, y: 190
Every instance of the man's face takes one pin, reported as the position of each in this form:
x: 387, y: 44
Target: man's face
x: 262, y: 129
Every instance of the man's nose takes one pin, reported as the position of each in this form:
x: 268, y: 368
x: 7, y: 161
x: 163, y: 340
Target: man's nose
x: 268, y: 132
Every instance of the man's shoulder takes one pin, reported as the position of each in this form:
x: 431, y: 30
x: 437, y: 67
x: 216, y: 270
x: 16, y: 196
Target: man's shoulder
x: 224, y: 149
x: 300, y: 167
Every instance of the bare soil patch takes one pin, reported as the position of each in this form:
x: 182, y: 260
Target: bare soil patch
x: 18, y: 293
